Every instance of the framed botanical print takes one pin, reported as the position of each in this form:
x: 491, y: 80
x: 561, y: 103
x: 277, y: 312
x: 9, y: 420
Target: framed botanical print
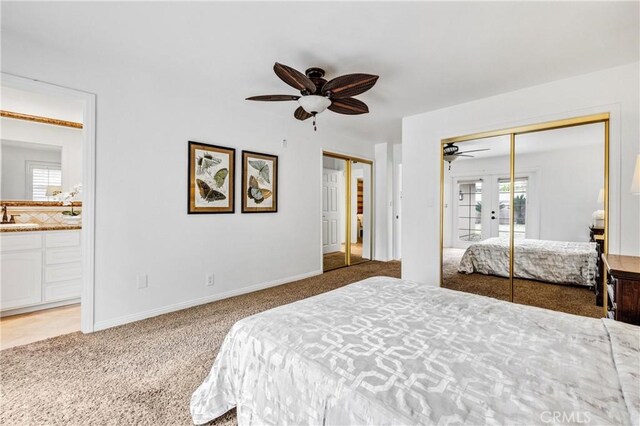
x: 211, y: 178
x: 259, y: 182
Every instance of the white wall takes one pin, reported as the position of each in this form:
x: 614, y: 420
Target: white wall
x: 397, y: 201
x: 563, y: 192
x: 145, y: 117
x: 383, y: 201
x: 613, y: 90
x: 69, y: 139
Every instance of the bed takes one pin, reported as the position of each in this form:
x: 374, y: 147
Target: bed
x: 559, y: 262
x: 389, y: 351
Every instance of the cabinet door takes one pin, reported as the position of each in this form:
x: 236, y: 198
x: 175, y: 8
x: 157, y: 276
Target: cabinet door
x: 21, y: 279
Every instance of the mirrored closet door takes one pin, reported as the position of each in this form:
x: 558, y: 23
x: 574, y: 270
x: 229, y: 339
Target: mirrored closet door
x: 347, y: 215
x: 361, y: 214
x: 334, y: 211
x: 475, y: 218
x: 558, y: 209
x: 524, y: 214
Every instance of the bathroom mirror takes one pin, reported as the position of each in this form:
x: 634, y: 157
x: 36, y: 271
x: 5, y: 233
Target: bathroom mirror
x: 29, y: 169
x: 41, y: 145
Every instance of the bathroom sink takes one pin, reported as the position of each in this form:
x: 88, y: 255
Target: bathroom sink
x: 18, y: 225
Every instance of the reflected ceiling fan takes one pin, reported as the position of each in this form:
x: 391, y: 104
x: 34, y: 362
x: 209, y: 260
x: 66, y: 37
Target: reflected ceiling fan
x: 318, y: 94
x: 451, y: 152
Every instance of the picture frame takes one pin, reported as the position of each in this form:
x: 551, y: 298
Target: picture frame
x: 211, y: 182
x: 259, y: 182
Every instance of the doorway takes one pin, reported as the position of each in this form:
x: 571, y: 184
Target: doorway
x: 347, y: 218
x: 61, y: 274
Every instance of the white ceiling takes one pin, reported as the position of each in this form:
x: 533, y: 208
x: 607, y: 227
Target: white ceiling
x: 530, y: 143
x: 428, y: 55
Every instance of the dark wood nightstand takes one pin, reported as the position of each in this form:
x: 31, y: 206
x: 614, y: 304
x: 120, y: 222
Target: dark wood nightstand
x: 623, y: 288
x: 596, y: 235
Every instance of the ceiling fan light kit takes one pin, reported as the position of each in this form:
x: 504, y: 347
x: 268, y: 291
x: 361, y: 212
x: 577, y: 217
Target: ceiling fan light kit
x: 318, y: 94
x: 314, y: 104
x: 451, y: 153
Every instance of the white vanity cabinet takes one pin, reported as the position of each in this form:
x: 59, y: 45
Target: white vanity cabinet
x: 40, y: 269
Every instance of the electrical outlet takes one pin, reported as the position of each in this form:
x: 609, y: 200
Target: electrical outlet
x: 210, y: 279
x: 143, y: 281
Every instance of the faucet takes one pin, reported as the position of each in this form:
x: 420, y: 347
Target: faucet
x: 5, y: 219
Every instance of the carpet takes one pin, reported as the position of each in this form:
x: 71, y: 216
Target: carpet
x: 564, y: 298
x: 141, y: 373
x: 337, y: 259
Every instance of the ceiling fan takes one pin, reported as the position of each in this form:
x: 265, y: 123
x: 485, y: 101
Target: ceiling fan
x: 450, y: 153
x: 318, y: 94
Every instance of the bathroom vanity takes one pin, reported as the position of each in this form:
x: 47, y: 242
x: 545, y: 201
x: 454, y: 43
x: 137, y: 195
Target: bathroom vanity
x: 41, y: 268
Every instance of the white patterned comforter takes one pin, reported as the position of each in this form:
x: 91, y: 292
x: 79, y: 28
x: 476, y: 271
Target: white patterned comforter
x: 550, y: 261
x: 388, y: 351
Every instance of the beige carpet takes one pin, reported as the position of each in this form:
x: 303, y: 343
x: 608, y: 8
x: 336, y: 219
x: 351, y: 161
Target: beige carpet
x: 142, y: 373
x: 571, y: 299
x: 337, y: 259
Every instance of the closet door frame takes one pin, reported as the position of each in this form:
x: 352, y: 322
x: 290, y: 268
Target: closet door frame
x: 512, y: 133
x: 348, y: 203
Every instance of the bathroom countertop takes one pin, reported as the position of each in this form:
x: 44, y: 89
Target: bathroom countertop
x: 60, y: 227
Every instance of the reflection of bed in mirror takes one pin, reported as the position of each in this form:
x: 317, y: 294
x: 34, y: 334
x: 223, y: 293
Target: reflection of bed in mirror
x: 558, y: 262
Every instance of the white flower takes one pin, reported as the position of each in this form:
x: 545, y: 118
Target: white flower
x: 65, y: 197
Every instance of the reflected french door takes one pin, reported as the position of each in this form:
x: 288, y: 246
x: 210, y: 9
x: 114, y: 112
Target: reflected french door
x: 483, y: 208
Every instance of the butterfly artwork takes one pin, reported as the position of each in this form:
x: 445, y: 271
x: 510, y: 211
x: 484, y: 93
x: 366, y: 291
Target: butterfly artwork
x: 263, y: 169
x: 259, y: 182
x: 208, y: 193
x: 211, y: 171
x: 256, y: 193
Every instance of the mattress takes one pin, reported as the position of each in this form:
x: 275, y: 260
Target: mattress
x: 389, y: 351
x: 559, y: 262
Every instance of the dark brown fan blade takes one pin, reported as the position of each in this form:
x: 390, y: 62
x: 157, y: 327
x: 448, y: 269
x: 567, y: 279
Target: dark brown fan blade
x: 349, y: 106
x: 349, y: 85
x: 274, y: 98
x: 474, y: 150
x: 301, y: 114
x: 294, y: 78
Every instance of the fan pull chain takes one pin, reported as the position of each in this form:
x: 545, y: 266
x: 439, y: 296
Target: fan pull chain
x: 315, y: 128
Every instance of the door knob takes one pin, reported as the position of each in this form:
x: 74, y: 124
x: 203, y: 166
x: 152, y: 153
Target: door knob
x: 493, y: 217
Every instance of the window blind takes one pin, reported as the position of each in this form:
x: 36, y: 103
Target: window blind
x: 41, y: 177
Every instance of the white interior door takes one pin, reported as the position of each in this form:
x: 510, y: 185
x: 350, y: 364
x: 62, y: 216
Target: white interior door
x: 330, y: 212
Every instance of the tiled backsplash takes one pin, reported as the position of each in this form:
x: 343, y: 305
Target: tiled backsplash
x: 40, y: 214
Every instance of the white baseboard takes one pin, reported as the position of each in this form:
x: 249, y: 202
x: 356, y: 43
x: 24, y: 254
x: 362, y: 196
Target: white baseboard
x: 102, y: 325
x: 40, y: 307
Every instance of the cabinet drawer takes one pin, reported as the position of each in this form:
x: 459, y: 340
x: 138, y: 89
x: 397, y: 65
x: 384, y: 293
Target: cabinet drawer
x: 21, y: 279
x: 22, y: 241
x: 62, y: 239
x: 54, y: 256
x: 64, y: 272
x: 62, y: 290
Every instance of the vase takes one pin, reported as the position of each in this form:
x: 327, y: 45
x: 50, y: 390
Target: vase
x: 72, y: 220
